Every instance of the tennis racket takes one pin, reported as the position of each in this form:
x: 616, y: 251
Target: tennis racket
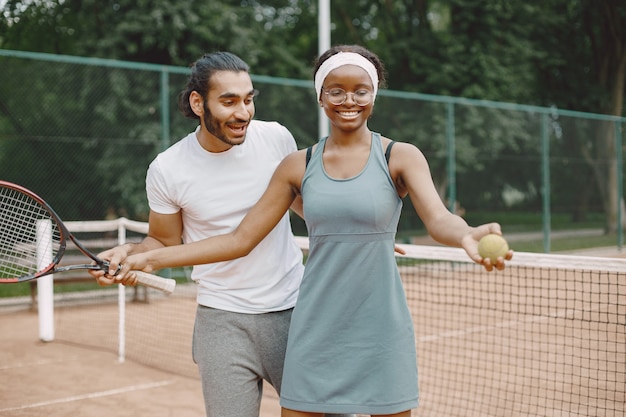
x: 33, y: 240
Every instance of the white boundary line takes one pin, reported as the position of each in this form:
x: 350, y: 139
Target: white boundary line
x: 116, y: 391
x: 35, y: 363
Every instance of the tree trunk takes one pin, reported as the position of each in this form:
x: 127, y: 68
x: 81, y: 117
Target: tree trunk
x: 608, y: 41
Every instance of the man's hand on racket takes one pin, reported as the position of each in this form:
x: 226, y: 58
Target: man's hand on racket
x: 131, y: 264
x: 115, y: 256
x: 470, y: 244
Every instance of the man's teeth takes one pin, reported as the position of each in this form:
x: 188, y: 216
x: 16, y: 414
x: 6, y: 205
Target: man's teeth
x: 349, y: 113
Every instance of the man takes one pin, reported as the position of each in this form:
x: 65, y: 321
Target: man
x: 203, y: 186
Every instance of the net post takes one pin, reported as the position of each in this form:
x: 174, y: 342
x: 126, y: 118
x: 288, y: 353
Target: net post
x: 121, y: 299
x: 323, y: 29
x: 45, y: 285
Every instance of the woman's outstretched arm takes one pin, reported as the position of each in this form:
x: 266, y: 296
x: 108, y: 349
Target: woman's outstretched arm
x: 410, y: 168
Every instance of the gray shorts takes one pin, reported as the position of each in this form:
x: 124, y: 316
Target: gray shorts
x: 235, y: 352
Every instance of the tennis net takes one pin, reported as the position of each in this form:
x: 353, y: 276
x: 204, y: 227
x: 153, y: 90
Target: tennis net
x: 544, y: 337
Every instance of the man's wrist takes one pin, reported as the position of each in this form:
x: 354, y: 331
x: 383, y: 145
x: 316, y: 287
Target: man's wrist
x: 129, y: 248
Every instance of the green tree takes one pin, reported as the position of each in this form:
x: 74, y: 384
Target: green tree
x: 584, y: 68
x: 564, y: 53
x: 568, y: 54
x: 454, y: 48
x: 120, y: 132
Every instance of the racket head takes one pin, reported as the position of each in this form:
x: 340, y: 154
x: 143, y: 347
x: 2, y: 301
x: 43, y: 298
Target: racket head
x: 32, y: 236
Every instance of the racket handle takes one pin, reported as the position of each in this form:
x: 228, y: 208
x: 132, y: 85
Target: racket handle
x: 166, y: 285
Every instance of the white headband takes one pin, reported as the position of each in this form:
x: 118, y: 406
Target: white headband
x: 345, y: 58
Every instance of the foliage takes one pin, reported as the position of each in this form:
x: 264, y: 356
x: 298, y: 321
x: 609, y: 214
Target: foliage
x: 563, y: 53
x: 164, y: 32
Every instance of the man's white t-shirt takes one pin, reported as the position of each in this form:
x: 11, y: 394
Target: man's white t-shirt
x: 214, y: 192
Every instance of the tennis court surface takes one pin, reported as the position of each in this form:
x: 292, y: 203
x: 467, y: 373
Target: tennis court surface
x: 62, y: 378
x: 545, y: 337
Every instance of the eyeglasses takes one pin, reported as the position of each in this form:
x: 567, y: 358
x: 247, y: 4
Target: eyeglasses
x: 338, y: 96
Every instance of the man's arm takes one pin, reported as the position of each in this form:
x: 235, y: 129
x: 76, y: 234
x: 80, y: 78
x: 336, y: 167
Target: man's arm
x: 166, y: 229
x: 163, y: 230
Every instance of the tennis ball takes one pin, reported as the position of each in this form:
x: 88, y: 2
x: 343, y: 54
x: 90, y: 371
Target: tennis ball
x: 492, y: 246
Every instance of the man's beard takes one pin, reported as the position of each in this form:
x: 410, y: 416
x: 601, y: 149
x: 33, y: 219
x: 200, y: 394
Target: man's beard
x: 214, y: 128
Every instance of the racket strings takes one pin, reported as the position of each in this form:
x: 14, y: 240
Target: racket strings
x: 29, y: 236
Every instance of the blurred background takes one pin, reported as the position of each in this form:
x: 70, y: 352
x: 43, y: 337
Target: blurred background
x: 518, y: 106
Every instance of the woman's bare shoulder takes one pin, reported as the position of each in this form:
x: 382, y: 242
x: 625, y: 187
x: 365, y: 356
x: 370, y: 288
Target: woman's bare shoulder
x: 403, y: 148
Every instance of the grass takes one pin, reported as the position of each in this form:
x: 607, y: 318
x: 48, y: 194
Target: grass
x: 15, y: 290
x: 570, y: 243
x: 513, y: 221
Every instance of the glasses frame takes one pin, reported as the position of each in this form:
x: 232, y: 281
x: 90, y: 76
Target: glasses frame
x: 345, y: 96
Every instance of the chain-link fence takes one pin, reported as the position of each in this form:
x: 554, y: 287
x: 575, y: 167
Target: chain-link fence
x: 81, y: 132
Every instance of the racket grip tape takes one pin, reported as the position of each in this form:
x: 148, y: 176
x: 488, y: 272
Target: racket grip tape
x: 166, y: 285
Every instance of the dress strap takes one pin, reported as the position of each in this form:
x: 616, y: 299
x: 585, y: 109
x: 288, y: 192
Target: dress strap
x: 388, y: 151
x: 308, y: 155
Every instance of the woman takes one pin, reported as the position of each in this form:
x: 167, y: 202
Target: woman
x: 351, y: 346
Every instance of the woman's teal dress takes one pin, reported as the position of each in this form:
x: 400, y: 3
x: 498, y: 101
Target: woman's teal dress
x: 351, y: 342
